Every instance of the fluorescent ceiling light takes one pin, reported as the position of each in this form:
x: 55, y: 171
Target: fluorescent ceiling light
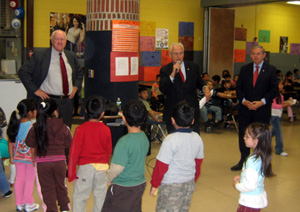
x: 294, y: 2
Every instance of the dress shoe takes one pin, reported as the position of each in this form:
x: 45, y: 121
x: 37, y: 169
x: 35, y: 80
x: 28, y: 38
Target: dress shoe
x: 237, y: 167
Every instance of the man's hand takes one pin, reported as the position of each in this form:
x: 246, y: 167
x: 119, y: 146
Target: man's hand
x: 42, y: 94
x: 176, y: 66
x: 248, y: 104
x: 257, y: 104
x: 73, y: 92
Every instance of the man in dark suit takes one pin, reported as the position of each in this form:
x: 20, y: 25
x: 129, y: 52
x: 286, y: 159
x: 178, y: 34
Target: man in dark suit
x: 179, y: 81
x: 256, y: 88
x: 43, y: 78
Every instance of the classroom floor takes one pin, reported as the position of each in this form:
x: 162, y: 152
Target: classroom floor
x: 214, y: 192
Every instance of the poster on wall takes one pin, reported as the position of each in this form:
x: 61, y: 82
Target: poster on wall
x: 239, y: 55
x: 249, y: 46
x: 124, y: 66
x: 264, y: 36
x: 283, y: 44
x: 74, y: 26
x: 186, y: 35
x: 125, y: 36
x: 162, y: 38
x: 295, y: 49
x: 240, y: 34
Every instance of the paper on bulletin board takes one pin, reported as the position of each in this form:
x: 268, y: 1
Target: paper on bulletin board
x: 295, y: 49
x: 124, y: 66
x: 125, y: 36
x: 188, y: 42
x: 264, y: 36
x: 147, y: 43
x: 249, y: 45
x: 186, y: 28
x: 162, y: 38
x: 239, y: 55
x: 150, y: 58
x: 147, y: 28
x: 150, y: 73
x: 240, y: 34
x: 165, y: 57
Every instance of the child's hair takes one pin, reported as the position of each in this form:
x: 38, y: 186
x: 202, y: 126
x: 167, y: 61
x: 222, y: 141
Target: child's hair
x: 135, y: 113
x: 227, y: 81
x: 95, y: 106
x: 23, y: 108
x: 158, y: 75
x: 288, y: 74
x: 296, y: 70
x: 207, y: 81
x: 216, y: 78
x: 183, y: 113
x: 263, y: 148
x: 278, y: 98
x: 45, y: 111
x: 227, y: 76
x: 142, y: 88
x: 224, y: 72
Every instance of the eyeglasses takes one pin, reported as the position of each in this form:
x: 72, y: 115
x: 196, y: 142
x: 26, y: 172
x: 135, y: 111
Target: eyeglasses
x: 177, y: 53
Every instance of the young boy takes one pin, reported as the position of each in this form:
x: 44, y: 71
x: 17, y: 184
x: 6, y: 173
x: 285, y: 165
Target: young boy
x: 126, y: 174
x: 178, y: 162
x: 143, y: 96
x: 91, y: 149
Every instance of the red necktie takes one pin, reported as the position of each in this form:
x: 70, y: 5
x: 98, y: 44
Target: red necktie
x: 64, y: 75
x: 255, y: 75
x: 182, y: 76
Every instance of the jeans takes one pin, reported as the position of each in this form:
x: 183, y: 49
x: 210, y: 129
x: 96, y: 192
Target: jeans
x: 4, y: 184
x: 212, y: 109
x: 276, y: 131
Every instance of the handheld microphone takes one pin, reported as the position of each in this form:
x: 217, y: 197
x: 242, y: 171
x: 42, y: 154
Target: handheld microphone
x: 176, y: 70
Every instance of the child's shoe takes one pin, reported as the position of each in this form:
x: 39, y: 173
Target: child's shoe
x: 284, y: 154
x: 20, y: 207
x: 7, y: 194
x: 33, y: 207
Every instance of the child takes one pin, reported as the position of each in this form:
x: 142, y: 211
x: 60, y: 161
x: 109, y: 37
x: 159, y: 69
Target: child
x: 216, y: 82
x: 157, y: 96
x: 91, y: 150
x: 250, y: 183
x: 126, y: 174
x: 20, y: 154
x: 143, y: 96
x: 178, y: 162
x: 48, y: 139
x: 277, y: 105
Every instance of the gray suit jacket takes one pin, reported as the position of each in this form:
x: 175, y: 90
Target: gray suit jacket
x: 34, y: 71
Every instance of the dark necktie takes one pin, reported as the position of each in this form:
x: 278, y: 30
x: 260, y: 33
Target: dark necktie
x: 65, y: 83
x: 182, y: 76
x: 255, y: 75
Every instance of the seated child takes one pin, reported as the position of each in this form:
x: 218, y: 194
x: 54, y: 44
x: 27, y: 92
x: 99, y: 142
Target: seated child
x: 178, y: 163
x: 157, y: 96
x: 205, y: 77
x: 216, y: 82
x: 153, y: 115
x: 127, y: 169
x: 91, y: 150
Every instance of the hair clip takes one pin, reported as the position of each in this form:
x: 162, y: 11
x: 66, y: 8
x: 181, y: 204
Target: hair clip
x: 18, y: 114
x: 43, y: 104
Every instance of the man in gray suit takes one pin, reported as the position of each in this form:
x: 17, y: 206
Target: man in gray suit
x: 43, y: 75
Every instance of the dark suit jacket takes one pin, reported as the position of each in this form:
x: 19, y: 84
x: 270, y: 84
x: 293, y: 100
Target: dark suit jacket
x: 178, y: 91
x: 266, y: 87
x: 34, y: 71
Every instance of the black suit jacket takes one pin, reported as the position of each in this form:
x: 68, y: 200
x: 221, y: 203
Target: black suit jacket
x: 34, y: 71
x: 266, y: 87
x: 178, y: 90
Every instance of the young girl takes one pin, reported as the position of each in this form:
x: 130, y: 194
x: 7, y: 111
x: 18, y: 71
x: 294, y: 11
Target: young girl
x: 20, y: 154
x: 250, y: 183
x: 48, y: 138
x: 277, y: 105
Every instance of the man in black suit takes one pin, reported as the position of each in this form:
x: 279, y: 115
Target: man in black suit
x: 179, y: 81
x: 256, y: 88
x: 42, y: 75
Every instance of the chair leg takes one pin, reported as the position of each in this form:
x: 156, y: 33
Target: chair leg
x: 235, y: 124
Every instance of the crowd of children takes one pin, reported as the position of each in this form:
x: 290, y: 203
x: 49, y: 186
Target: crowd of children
x: 37, y: 150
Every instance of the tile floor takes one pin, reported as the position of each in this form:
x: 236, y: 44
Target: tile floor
x: 215, y: 192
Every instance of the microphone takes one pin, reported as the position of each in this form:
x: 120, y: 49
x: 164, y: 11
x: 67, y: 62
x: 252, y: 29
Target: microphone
x: 176, y: 70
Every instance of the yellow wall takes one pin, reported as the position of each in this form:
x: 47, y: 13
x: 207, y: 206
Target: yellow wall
x: 42, y: 10
x: 166, y: 14
x: 280, y: 19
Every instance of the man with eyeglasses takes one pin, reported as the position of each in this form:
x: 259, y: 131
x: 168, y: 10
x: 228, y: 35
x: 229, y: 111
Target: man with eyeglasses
x: 53, y: 73
x: 256, y: 88
x: 179, y: 82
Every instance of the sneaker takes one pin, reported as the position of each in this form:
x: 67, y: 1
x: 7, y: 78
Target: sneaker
x: 284, y: 154
x: 20, y: 207
x: 33, y: 207
x: 7, y: 194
